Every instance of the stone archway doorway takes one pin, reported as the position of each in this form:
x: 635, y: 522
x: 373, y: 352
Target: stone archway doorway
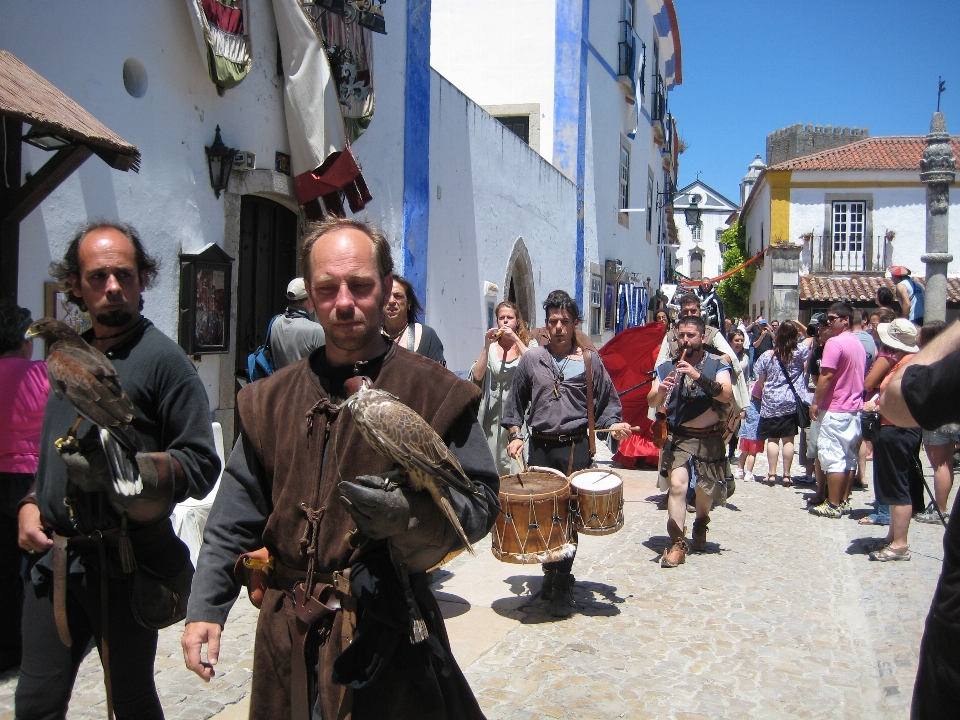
x: 518, y: 285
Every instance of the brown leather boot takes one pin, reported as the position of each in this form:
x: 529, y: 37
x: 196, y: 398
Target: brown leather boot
x: 676, y: 554
x: 699, y: 543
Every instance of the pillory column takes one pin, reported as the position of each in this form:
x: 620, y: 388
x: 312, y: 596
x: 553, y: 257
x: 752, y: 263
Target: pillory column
x: 937, y: 172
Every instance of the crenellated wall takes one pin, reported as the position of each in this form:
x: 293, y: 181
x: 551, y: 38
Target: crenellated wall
x: 798, y: 140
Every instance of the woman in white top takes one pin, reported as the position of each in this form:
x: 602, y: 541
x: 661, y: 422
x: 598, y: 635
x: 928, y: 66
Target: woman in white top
x: 493, y: 372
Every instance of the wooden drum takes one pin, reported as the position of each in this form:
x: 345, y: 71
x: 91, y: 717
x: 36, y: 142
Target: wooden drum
x: 534, y: 525
x: 597, y: 504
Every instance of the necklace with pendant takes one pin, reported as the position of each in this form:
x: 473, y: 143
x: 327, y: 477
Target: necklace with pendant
x: 558, y: 369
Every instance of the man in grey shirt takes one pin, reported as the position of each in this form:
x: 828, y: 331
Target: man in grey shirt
x: 296, y: 333
x: 549, y: 391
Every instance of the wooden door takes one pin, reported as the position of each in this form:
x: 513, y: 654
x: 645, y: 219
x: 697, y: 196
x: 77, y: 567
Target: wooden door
x: 268, y: 262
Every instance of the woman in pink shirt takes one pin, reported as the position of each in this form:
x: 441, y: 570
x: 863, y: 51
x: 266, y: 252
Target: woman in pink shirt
x: 23, y: 395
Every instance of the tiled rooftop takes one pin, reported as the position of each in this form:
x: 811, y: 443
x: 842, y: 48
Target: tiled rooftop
x: 857, y: 288
x: 872, y: 153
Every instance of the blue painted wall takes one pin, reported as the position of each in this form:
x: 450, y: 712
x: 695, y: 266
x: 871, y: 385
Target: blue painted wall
x: 416, y: 148
x: 570, y: 109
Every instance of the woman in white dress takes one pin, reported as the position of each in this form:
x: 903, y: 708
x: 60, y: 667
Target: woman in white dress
x: 493, y: 373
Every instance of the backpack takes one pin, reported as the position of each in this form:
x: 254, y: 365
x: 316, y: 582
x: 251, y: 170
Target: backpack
x: 260, y: 362
x: 920, y: 294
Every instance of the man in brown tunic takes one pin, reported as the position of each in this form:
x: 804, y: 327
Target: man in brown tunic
x: 354, y: 658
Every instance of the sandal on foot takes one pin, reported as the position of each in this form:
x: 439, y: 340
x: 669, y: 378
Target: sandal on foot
x: 771, y: 479
x: 875, y: 546
x: 787, y: 481
x: 871, y: 519
x: 891, y: 553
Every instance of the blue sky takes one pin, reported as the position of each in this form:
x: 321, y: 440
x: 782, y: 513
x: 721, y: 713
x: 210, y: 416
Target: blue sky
x: 753, y: 66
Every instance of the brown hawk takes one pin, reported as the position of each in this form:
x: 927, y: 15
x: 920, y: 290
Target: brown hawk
x: 85, y: 378
x: 401, y: 435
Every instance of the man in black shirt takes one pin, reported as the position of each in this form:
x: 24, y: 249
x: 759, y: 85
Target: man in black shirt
x: 70, y: 596
x: 926, y: 392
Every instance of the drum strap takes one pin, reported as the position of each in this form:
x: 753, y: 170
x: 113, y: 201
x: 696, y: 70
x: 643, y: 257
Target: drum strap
x: 591, y: 435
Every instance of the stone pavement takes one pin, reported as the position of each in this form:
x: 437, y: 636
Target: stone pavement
x: 782, y: 618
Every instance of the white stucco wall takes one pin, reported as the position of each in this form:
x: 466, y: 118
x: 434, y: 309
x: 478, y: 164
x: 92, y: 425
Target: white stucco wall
x: 509, y: 57
x: 500, y: 52
x: 489, y: 189
x: 901, y: 209
x: 170, y: 201
x: 759, y: 217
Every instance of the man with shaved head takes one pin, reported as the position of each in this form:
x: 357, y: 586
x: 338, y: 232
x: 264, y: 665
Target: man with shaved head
x: 334, y: 636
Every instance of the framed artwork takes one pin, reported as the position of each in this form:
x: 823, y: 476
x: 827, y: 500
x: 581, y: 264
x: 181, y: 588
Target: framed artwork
x: 205, y: 282
x: 56, y: 305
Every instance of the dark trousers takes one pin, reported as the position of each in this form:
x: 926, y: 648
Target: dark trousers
x: 49, y: 668
x: 556, y: 455
x: 936, y: 691
x: 13, y: 486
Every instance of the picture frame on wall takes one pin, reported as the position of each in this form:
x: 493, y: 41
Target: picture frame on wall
x: 57, y: 305
x: 205, y: 297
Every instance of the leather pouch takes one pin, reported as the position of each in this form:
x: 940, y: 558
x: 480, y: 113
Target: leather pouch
x: 253, y: 570
x: 160, y: 602
x: 659, y: 430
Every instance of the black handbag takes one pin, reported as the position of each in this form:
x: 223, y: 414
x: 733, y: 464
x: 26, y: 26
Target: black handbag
x: 803, y: 407
x: 869, y: 424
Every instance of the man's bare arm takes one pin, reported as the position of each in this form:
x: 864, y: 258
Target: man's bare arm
x: 892, y: 403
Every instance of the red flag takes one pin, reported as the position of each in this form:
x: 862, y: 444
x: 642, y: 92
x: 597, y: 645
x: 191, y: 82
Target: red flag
x: 628, y: 358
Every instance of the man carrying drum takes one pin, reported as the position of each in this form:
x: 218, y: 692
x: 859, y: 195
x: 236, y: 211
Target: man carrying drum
x: 551, y: 388
x: 694, y: 387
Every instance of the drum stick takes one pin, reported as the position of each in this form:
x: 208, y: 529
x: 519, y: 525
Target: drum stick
x: 634, y: 428
x: 519, y: 461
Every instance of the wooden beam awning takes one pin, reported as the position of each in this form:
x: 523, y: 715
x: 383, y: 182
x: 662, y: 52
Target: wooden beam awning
x: 29, y: 98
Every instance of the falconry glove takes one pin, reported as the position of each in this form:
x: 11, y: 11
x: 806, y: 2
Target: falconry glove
x: 87, y: 464
x: 411, y: 520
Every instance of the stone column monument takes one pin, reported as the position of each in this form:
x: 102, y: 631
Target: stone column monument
x: 937, y: 172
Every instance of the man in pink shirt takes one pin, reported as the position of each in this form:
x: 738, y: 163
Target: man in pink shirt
x: 837, y: 404
x: 23, y: 395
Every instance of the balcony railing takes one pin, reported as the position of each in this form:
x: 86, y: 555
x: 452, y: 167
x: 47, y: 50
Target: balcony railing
x: 658, y: 112
x: 625, y: 48
x: 821, y: 254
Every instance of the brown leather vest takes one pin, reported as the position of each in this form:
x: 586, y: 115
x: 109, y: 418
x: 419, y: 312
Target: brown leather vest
x: 307, y: 447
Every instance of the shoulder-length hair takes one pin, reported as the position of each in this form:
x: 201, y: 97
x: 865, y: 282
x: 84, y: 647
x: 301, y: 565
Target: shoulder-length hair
x: 414, y: 308
x: 788, y: 337
x: 523, y: 332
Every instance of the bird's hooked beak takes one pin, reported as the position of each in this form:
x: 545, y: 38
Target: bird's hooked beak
x: 31, y: 333
x: 356, y: 384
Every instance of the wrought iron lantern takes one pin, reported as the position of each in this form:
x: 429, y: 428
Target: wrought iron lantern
x: 693, y: 213
x: 220, y: 161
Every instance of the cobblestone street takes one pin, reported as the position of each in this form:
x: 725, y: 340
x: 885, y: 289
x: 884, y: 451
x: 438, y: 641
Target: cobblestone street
x: 783, y: 618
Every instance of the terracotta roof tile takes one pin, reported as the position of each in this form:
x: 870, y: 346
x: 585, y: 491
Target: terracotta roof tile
x: 872, y: 153
x: 857, y: 288
x: 29, y: 97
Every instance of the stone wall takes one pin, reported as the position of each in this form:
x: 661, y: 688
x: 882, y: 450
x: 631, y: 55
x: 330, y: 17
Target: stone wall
x: 798, y: 140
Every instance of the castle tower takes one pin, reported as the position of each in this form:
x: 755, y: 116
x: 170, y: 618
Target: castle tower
x: 797, y: 140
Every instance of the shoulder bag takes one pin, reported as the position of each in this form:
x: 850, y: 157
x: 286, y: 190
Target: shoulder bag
x: 803, y: 407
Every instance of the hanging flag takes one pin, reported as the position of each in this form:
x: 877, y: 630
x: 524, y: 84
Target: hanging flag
x: 628, y: 357
x: 349, y: 48
x: 321, y: 162
x: 224, y: 43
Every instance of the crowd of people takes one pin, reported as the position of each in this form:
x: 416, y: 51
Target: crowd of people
x: 335, y: 612
x: 838, y: 365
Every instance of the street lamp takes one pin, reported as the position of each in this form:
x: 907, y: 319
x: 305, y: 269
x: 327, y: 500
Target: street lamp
x: 693, y: 212
x: 220, y: 160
